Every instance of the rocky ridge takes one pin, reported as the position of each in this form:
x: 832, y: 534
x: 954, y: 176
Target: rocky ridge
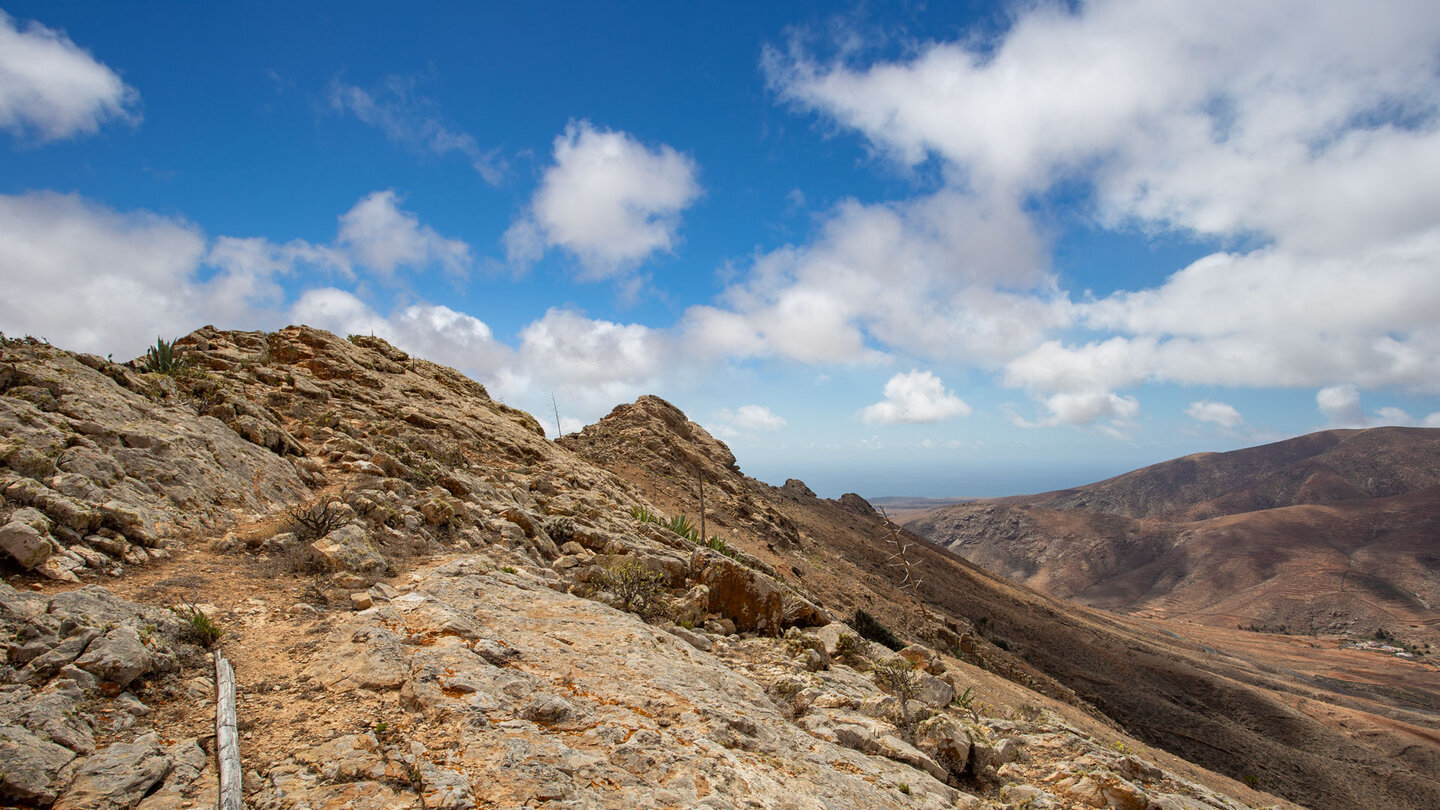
x: 430, y: 605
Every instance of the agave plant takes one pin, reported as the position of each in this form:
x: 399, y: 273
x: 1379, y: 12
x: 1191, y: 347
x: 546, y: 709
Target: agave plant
x: 163, y: 358
x: 682, y: 526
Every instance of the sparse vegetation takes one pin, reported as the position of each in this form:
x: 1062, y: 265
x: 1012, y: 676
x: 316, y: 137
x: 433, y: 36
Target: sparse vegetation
x: 509, y: 569
x: 846, y: 646
x: 716, y: 544
x: 197, y: 628
x: 636, y: 587
x: 870, y: 628
x: 163, y: 358
x: 310, y: 523
x: 965, y: 701
x: 681, y: 526
x: 898, y: 677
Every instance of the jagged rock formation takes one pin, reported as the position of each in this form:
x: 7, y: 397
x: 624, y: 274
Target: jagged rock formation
x: 430, y: 605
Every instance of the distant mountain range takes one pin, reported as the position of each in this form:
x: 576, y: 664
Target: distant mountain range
x: 1332, y: 532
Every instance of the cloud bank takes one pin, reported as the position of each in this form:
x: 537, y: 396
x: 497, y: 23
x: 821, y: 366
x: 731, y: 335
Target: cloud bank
x: 1310, y: 130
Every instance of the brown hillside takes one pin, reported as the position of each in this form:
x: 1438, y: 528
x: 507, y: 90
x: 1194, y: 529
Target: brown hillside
x: 1326, y: 467
x: 1349, y: 542
x: 1224, y: 711
x: 430, y: 605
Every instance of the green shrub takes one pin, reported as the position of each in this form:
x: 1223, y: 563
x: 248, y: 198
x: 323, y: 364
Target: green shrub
x: 869, y: 627
x: 637, y: 587
x: 716, y: 544
x: 163, y: 358
x: 898, y: 677
x: 198, y: 628
x: 680, y: 525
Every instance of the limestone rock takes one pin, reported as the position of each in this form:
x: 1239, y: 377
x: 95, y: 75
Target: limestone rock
x: 751, y: 600
x: 348, y: 548
x: 24, y: 544
x: 31, y: 772
x: 694, y: 639
x: 119, y: 656
x: 946, y: 742
x: 117, y: 777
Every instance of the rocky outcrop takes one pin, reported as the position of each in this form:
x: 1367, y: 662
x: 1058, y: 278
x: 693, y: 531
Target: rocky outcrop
x: 749, y: 599
x: 67, y: 656
x: 430, y: 605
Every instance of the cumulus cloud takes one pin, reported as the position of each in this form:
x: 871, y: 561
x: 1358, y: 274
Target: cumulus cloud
x: 1273, y: 125
x: 590, y: 365
x: 941, y: 276
x: 434, y: 332
x: 384, y: 238
x: 608, y: 200
x: 415, y: 122
x: 1218, y: 413
x: 916, y: 397
x: 750, y: 417
x: 94, y: 279
x: 50, y: 88
x: 1341, y: 406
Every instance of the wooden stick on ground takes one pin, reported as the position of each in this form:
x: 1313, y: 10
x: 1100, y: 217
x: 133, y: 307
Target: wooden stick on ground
x: 227, y: 742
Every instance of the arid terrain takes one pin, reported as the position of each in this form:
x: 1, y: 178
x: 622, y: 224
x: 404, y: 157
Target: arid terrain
x: 1333, y: 533
x: 428, y: 604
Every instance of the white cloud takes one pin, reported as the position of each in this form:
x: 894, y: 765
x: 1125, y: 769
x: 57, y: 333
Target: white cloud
x: 1218, y: 413
x: 51, y: 88
x: 589, y: 365
x: 942, y: 276
x: 916, y: 397
x: 384, y: 238
x: 414, y: 121
x: 91, y: 279
x: 1313, y: 130
x: 608, y: 200
x: 1341, y: 406
x: 431, y: 331
x: 750, y: 417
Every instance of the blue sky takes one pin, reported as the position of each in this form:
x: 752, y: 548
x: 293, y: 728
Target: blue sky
x: 960, y: 249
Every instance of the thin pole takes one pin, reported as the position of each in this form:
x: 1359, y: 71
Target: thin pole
x: 227, y: 742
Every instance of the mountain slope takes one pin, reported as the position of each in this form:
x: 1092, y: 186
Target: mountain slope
x: 1226, y: 712
x: 428, y: 604
x: 1329, y: 533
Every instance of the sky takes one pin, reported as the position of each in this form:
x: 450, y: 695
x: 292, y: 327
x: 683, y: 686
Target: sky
x: 950, y: 249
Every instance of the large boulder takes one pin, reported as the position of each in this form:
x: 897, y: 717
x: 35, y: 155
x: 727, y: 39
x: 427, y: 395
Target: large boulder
x: 24, y: 544
x: 945, y: 742
x: 751, y: 600
x: 119, y: 656
x: 348, y: 548
x: 31, y: 773
x: 118, y: 777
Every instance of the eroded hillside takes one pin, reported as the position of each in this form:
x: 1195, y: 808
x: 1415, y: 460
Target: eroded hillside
x: 430, y: 605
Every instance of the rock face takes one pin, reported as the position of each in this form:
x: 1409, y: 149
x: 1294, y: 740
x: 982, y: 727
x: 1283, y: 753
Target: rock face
x: 747, y: 598
x: 430, y: 605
